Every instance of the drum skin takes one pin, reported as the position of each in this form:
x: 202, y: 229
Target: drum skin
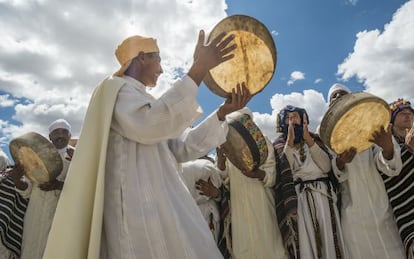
x: 245, y: 146
x: 351, y: 121
x: 38, y: 156
x: 254, y: 59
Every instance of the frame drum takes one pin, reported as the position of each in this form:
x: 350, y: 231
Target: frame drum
x: 254, y: 59
x: 245, y: 146
x: 351, y: 121
x: 38, y: 156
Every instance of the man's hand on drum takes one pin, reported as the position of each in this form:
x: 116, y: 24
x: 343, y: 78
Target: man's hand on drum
x: 258, y: 174
x: 207, y: 188
x: 240, y: 96
x: 207, y: 56
x: 345, y: 157
x: 17, y: 174
x: 383, y: 139
x: 51, y: 185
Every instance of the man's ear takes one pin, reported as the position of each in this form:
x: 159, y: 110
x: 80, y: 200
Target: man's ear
x: 140, y: 57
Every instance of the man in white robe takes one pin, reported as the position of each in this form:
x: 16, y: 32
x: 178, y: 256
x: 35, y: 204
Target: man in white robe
x: 132, y: 202
x: 43, y: 198
x: 368, y: 224
x: 254, y: 229
x: 203, y: 180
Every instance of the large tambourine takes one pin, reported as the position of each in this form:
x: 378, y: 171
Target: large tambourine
x: 38, y: 156
x: 245, y: 146
x: 351, y: 121
x: 254, y: 59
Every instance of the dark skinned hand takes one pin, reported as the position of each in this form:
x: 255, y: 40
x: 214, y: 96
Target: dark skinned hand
x: 345, y: 157
x: 384, y: 139
x: 238, y: 99
x: 207, y: 188
x: 257, y: 174
x: 51, y: 185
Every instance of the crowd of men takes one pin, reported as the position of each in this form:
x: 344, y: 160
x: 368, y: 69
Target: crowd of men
x: 141, y: 185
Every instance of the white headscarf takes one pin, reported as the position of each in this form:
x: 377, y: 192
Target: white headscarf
x: 59, y: 124
x: 335, y: 88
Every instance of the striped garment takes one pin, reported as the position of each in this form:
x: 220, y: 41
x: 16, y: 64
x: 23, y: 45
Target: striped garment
x: 12, y: 210
x: 400, y: 191
x: 286, y: 202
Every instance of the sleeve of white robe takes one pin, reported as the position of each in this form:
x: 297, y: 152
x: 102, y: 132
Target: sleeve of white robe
x: 320, y: 157
x: 340, y: 175
x: 141, y: 118
x: 389, y: 167
x: 198, y: 141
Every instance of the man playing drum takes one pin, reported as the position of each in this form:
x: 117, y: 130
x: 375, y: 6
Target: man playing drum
x: 129, y: 200
x: 43, y: 198
x: 368, y: 223
x: 254, y: 230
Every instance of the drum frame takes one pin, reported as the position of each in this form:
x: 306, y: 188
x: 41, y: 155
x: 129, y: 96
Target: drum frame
x: 240, y: 23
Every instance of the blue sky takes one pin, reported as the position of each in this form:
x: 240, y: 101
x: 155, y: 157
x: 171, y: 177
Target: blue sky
x: 53, y: 53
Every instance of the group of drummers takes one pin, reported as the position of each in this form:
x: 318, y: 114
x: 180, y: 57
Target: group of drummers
x: 320, y: 204
x: 302, y: 195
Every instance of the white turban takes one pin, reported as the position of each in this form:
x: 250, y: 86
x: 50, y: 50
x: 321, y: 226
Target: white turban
x: 335, y: 88
x: 59, y: 124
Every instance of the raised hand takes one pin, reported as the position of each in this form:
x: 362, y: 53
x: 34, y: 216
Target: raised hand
x: 291, y: 133
x: 306, y: 136
x: 207, y: 56
x: 409, y: 138
x: 238, y: 99
x: 384, y: 139
x: 345, y: 157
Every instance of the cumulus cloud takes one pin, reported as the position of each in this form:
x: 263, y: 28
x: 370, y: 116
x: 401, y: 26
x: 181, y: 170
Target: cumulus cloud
x: 53, y: 54
x: 384, y: 60
x: 295, y: 76
x: 5, y: 101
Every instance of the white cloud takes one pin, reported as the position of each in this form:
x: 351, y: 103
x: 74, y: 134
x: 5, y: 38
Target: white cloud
x: 5, y: 101
x: 295, y: 76
x: 54, y: 57
x: 318, y: 80
x: 384, y: 60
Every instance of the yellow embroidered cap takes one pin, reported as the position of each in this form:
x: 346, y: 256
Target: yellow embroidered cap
x: 130, y: 48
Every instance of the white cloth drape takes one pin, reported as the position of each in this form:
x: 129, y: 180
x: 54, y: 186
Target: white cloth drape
x: 203, y: 169
x: 255, y: 232
x: 368, y: 223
